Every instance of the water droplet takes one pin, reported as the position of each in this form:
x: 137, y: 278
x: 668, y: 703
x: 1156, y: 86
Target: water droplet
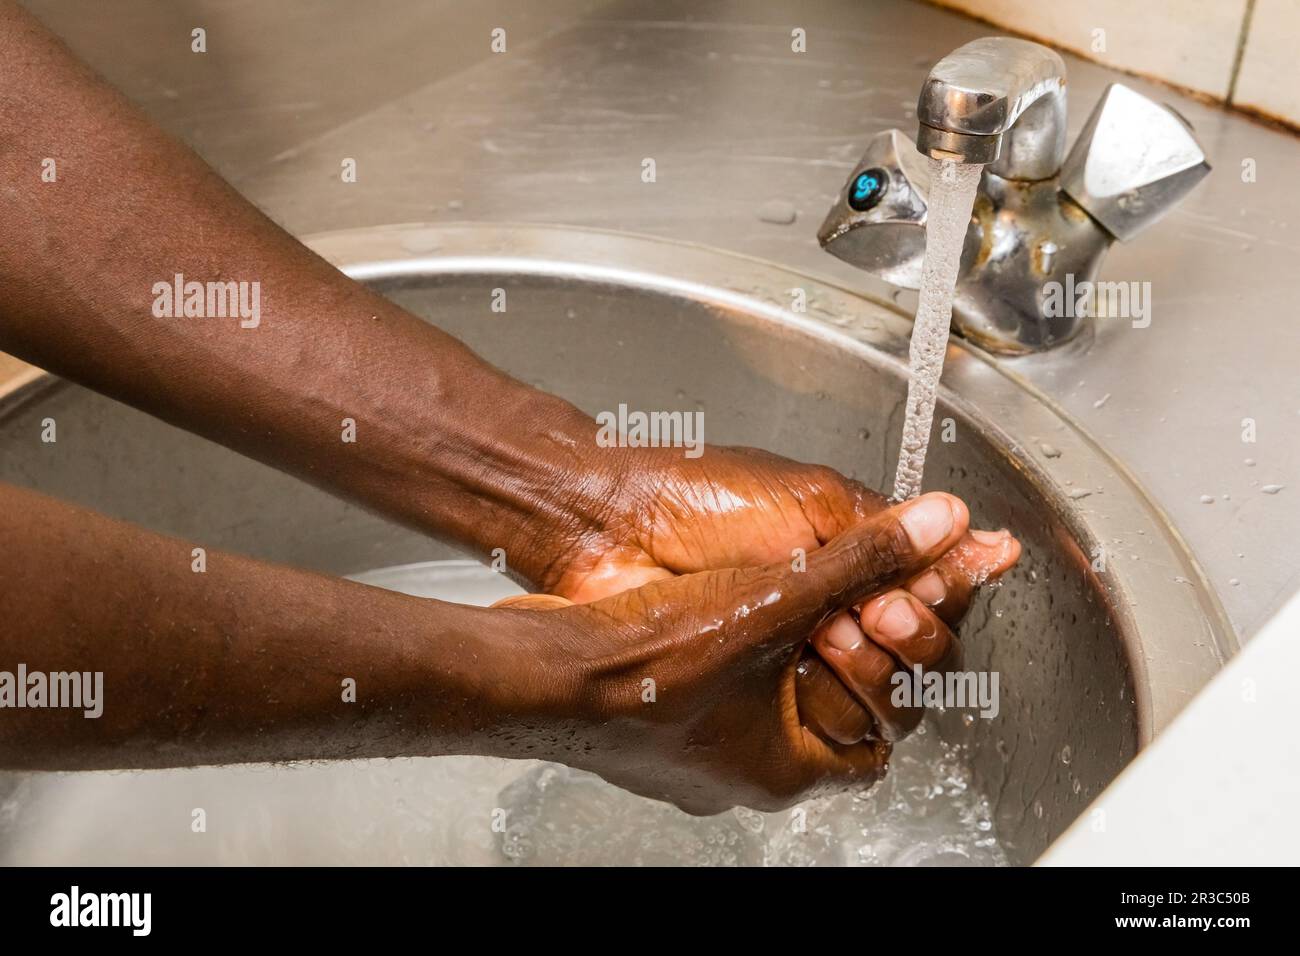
x: 778, y: 211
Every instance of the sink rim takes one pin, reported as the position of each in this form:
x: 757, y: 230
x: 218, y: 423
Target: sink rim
x: 1161, y: 623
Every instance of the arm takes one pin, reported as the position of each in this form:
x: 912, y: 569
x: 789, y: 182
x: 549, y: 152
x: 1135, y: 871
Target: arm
x: 518, y: 470
x: 132, y: 207
x: 246, y: 661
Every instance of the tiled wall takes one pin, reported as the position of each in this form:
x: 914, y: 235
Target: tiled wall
x: 1269, y: 78
x: 1239, y: 51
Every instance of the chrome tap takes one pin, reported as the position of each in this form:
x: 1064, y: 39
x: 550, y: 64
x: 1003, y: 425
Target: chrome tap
x: 1040, y: 217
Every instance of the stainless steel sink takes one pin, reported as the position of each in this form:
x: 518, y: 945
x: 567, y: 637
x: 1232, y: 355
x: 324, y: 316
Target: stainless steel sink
x: 1100, y: 636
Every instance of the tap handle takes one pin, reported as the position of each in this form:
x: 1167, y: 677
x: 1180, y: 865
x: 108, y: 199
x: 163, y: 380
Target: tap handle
x: 887, y: 192
x: 1134, y: 161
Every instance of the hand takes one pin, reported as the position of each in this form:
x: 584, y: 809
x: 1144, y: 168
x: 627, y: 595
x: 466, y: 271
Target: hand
x: 722, y: 649
x: 665, y: 515
x: 902, y: 627
x: 738, y: 507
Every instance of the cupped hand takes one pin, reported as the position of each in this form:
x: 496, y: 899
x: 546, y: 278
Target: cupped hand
x: 738, y: 507
x: 905, y: 628
x: 687, y: 687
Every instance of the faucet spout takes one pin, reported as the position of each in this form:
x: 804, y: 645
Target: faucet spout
x: 996, y: 101
x: 1042, y: 220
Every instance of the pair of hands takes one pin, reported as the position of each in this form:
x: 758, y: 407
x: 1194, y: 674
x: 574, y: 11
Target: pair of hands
x: 719, y: 666
x: 747, y: 708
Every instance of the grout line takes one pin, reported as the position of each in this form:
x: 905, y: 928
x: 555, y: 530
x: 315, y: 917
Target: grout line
x: 1240, y: 53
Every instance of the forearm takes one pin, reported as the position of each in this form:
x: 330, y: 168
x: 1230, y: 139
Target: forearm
x: 239, y: 661
x: 436, y: 428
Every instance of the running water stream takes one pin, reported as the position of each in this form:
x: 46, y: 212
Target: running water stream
x: 952, y: 195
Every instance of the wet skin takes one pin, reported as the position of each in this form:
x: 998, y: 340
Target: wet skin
x: 446, y: 444
x: 738, y: 507
x: 248, y: 661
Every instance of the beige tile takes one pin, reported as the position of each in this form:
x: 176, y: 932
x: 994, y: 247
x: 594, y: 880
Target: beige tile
x: 1269, y: 80
x: 1188, y: 42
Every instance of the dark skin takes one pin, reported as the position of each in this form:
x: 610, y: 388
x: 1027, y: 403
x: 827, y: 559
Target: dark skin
x: 521, y: 472
x: 246, y: 661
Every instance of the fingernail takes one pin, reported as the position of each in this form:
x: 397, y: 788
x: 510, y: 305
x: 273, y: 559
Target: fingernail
x: 898, y: 620
x: 928, y: 521
x: 990, y: 537
x: 843, y: 633
x: 929, y: 588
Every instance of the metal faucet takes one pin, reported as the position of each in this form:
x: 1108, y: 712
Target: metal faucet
x: 1040, y: 217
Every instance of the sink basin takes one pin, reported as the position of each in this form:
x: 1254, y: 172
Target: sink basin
x: 1103, y: 632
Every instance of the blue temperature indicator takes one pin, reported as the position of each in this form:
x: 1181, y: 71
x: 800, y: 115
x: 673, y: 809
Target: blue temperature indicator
x: 867, y: 188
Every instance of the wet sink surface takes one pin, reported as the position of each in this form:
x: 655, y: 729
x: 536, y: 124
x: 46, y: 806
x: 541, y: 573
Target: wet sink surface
x: 1100, y: 635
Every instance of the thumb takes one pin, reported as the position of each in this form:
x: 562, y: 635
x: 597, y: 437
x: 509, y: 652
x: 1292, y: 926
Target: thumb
x: 881, y: 552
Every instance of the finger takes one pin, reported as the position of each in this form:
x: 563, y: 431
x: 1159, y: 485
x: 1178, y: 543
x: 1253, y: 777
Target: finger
x: 869, y: 672
x: 533, y: 602
x: 983, y: 555
x: 839, y: 503
x: 945, y: 590
x: 879, y: 553
x: 825, y: 705
x: 904, y: 627
x: 831, y: 502
x: 948, y: 586
x: 840, y: 764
